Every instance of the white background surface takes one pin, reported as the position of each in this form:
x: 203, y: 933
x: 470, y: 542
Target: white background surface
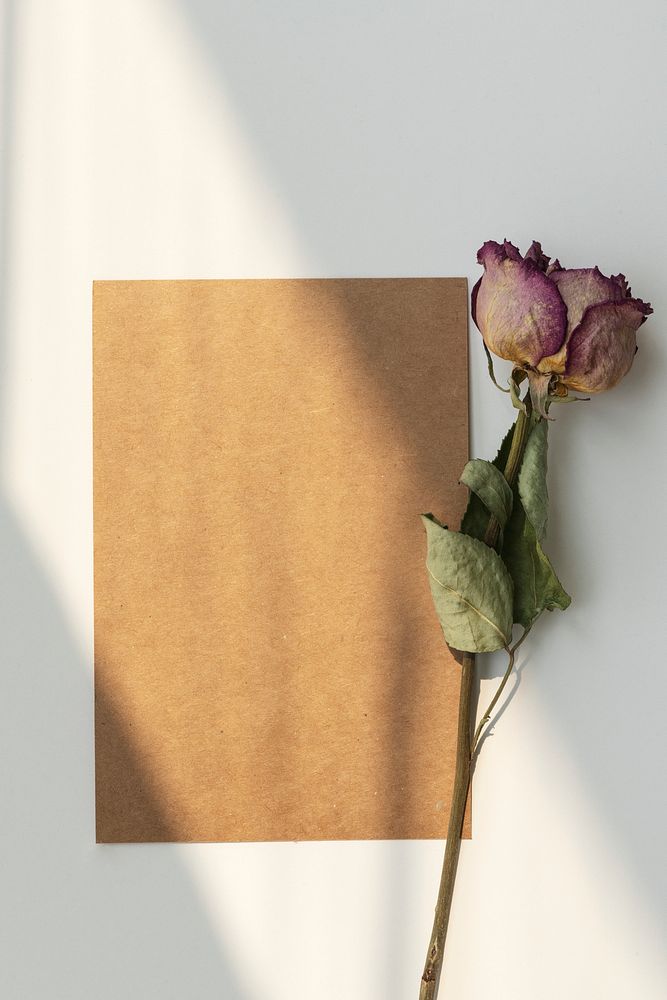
x: 223, y: 139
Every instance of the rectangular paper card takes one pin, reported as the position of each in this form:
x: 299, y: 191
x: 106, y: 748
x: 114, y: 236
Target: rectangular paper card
x: 268, y: 663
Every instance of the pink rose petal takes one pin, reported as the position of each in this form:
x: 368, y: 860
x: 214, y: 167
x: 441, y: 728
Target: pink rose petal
x: 601, y: 349
x: 518, y: 310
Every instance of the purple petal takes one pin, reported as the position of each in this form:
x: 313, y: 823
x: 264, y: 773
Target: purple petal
x: 473, y: 301
x: 622, y: 283
x: 518, y: 310
x: 583, y: 287
x: 511, y: 251
x: 490, y: 251
x: 535, y: 254
x: 601, y: 349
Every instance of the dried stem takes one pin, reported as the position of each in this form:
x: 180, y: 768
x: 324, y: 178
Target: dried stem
x: 464, y: 749
x: 432, y: 969
x: 511, y: 650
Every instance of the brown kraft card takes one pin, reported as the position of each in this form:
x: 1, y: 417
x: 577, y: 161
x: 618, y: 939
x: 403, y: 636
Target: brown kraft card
x: 268, y: 663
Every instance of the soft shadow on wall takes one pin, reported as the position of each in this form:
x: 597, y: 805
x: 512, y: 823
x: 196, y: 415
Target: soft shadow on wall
x: 78, y: 920
x: 115, y: 920
x: 293, y: 96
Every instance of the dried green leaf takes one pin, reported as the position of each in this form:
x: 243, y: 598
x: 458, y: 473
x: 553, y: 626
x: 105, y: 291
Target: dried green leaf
x: 484, y: 479
x: 532, y: 481
x: 471, y: 588
x: 476, y: 518
x: 515, y: 381
x: 492, y: 372
x: 535, y: 585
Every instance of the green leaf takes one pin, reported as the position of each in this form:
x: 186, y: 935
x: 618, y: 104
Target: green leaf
x: 532, y: 480
x: 492, y: 372
x: 484, y: 479
x: 515, y: 380
x: 471, y: 588
x: 476, y: 518
x: 535, y: 585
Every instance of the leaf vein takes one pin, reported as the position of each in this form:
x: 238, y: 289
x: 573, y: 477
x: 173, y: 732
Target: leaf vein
x: 477, y: 611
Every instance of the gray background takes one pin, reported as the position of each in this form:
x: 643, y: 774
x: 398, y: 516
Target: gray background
x: 220, y: 139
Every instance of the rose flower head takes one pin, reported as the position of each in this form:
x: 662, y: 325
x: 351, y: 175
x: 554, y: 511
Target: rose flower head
x: 564, y: 328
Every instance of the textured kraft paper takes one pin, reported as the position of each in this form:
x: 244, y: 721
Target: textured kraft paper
x: 268, y: 663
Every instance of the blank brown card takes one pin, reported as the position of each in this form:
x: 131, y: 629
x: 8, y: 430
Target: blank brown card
x: 268, y: 663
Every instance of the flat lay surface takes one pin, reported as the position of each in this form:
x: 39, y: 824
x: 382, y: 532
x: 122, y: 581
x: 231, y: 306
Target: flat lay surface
x: 173, y: 139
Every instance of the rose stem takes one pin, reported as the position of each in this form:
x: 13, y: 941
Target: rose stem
x: 432, y: 969
x: 511, y: 650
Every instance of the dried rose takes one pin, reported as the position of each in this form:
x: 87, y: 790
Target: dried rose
x: 564, y: 328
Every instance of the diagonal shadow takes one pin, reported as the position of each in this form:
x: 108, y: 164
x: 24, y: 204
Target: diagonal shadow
x: 274, y: 116
x: 110, y: 921
x: 77, y: 920
x: 294, y: 98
